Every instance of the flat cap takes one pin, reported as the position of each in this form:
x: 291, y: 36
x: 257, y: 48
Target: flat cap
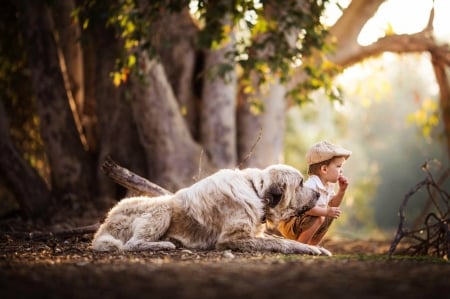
x: 325, y: 150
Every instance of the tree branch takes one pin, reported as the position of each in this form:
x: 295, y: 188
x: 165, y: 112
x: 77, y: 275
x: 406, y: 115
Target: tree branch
x: 401, y: 43
x: 434, y: 237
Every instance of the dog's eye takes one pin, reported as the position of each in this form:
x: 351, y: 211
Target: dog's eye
x: 301, y: 183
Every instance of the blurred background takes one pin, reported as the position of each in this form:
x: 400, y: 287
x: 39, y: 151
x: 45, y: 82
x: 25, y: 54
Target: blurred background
x: 389, y: 118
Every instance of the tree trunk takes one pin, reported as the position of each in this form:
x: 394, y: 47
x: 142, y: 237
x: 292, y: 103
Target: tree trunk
x: 442, y: 73
x: 173, y: 158
x: 218, y: 112
x: 28, y: 187
x: 176, y: 47
x: 67, y: 33
x: 70, y: 174
x: 267, y: 148
x: 117, y: 132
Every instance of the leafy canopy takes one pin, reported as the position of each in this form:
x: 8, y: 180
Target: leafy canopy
x: 270, y: 36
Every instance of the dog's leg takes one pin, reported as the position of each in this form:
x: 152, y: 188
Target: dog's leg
x: 139, y: 245
x: 268, y: 243
x: 148, y: 230
x: 106, y: 242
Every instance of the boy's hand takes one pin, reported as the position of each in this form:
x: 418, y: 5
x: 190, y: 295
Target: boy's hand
x: 333, y: 212
x: 343, y: 183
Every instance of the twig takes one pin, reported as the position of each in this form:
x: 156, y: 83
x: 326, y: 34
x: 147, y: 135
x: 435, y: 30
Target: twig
x: 251, y: 149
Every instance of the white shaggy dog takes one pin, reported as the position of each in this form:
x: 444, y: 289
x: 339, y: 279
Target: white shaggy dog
x: 226, y: 210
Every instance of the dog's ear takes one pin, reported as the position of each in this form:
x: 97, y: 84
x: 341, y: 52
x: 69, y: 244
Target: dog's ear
x: 275, y: 194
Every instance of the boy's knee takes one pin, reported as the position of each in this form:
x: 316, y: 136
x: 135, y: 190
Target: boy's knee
x: 321, y: 220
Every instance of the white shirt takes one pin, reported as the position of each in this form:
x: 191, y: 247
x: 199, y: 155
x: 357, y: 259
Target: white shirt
x: 326, y: 194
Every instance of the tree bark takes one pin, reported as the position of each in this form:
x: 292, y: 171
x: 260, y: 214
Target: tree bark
x: 176, y: 47
x: 117, y: 132
x: 270, y: 123
x: 442, y: 73
x: 173, y: 158
x: 70, y: 172
x: 29, y: 189
x: 218, y: 113
x: 67, y: 36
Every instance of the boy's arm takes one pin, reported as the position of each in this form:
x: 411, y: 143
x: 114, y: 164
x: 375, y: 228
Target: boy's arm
x: 333, y: 212
x: 337, y: 199
x: 317, y: 211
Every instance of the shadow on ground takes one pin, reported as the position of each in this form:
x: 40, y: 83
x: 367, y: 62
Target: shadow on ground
x: 67, y: 268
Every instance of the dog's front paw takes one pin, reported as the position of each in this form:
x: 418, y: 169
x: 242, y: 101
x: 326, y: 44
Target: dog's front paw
x: 324, y: 251
x: 305, y: 249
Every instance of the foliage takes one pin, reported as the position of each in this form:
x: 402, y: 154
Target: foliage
x: 268, y: 39
x: 426, y: 117
x: 320, y: 77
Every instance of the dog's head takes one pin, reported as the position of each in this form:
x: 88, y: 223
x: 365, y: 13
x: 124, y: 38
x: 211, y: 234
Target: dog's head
x: 281, y: 189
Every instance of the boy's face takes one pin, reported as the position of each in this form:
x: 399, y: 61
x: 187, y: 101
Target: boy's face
x: 332, y: 171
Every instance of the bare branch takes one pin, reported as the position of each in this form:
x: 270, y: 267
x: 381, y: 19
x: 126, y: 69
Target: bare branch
x: 434, y: 237
x: 251, y: 149
x: 131, y: 180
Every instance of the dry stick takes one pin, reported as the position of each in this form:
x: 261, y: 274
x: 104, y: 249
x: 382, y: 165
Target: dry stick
x: 251, y: 149
x: 423, y: 214
x: 130, y: 180
x: 41, y: 236
x: 400, y: 231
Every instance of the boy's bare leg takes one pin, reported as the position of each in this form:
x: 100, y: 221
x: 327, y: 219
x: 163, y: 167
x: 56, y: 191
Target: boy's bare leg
x: 321, y: 231
x: 306, y: 235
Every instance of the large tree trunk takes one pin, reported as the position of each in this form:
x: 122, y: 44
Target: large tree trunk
x: 176, y: 47
x: 28, y: 187
x: 117, y: 132
x: 261, y: 136
x: 218, y: 112
x: 70, y: 172
x: 173, y: 158
x: 67, y: 35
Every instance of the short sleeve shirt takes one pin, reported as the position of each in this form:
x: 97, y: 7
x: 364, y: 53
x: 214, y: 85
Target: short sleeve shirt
x: 326, y: 194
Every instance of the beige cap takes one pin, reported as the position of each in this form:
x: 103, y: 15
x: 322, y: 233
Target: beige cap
x: 323, y: 151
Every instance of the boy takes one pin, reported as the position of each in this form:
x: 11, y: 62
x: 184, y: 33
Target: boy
x: 325, y: 161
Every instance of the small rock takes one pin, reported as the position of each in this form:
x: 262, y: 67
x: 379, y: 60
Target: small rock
x: 228, y: 254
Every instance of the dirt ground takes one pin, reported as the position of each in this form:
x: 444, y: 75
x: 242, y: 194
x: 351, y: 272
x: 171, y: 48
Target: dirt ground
x: 67, y: 268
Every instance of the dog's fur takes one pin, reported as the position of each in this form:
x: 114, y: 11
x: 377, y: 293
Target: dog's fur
x: 226, y: 210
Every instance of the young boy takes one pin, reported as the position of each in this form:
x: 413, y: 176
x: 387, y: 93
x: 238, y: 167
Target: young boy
x: 325, y: 161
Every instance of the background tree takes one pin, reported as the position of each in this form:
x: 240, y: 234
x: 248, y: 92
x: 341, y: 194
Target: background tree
x: 170, y: 91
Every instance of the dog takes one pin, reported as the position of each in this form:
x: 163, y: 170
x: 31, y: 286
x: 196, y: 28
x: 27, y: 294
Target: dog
x: 226, y: 210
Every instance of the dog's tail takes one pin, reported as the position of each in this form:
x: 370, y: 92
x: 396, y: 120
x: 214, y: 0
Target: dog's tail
x: 106, y: 242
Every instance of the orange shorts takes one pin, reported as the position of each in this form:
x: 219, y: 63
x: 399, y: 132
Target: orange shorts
x: 293, y: 227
